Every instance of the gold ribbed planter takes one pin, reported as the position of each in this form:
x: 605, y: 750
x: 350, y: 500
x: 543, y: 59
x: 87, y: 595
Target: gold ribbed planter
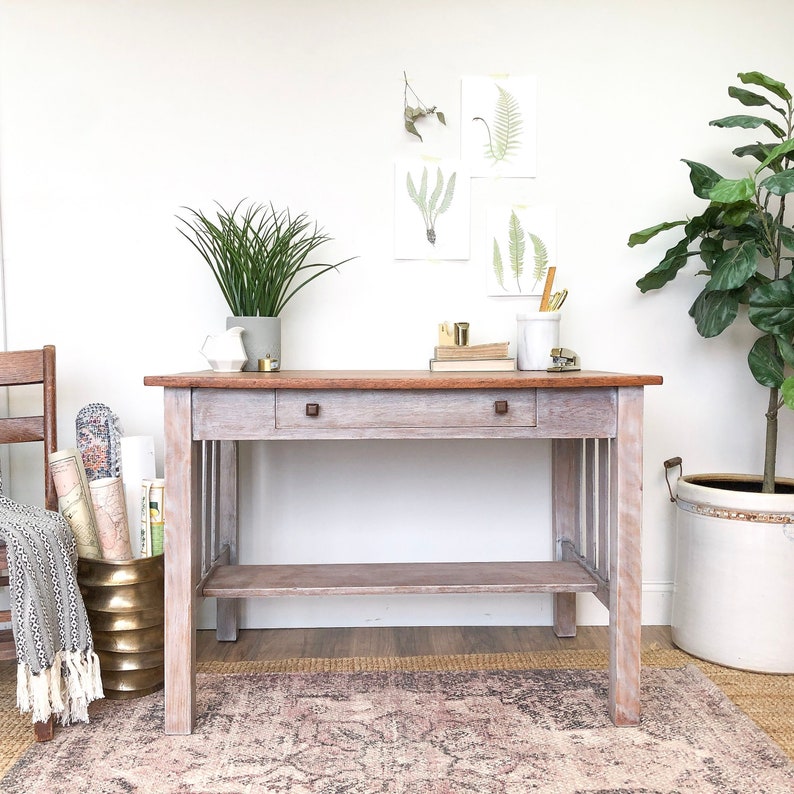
x: 125, y: 604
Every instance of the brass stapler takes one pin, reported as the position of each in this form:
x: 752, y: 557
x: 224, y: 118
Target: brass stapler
x: 565, y: 360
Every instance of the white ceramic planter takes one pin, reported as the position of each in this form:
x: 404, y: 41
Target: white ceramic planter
x: 733, y: 596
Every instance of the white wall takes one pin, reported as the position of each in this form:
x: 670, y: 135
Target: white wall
x: 115, y: 114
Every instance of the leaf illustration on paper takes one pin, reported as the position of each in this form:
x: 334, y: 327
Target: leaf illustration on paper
x: 516, y: 247
x: 541, y: 258
x: 429, y: 209
x: 504, y: 132
x: 498, y: 266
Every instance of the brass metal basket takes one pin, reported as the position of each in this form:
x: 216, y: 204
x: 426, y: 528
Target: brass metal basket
x: 125, y: 604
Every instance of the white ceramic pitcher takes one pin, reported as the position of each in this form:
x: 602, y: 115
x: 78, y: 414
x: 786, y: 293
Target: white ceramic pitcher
x: 225, y: 352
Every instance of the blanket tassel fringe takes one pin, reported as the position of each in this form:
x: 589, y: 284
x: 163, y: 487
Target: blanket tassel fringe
x: 63, y: 690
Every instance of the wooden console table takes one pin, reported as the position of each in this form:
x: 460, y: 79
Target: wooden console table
x: 593, y: 418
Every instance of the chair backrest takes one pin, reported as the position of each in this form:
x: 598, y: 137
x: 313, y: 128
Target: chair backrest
x: 25, y: 368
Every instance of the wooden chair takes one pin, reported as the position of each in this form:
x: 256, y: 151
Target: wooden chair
x: 24, y: 368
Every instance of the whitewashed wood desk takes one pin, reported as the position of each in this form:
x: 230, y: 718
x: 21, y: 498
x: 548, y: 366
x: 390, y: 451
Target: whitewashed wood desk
x: 593, y: 418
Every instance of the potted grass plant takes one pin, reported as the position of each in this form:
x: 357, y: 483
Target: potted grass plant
x: 260, y: 257
x: 733, y: 598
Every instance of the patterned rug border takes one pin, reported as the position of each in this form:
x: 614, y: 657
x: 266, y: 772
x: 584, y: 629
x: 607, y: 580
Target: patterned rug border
x: 767, y: 699
x: 320, y: 733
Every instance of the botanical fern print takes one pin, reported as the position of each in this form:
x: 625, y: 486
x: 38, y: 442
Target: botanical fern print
x: 504, y: 132
x: 517, y: 247
x: 522, y: 242
x: 498, y: 266
x: 541, y: 259
x: 431, y: 209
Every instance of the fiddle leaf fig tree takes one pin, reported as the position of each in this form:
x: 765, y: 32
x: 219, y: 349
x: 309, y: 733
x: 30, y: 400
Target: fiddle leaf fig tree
x: 745, y: 244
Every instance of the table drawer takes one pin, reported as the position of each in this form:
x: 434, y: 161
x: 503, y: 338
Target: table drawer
x: 235, y: 415
x: 397, y: 408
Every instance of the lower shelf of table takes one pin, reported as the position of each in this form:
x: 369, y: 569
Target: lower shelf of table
x: 257, y: 581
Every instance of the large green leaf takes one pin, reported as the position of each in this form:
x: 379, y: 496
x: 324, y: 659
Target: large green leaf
x: 775, y: 153
x: 758, y: 78
x: 702, y: 178
x: 751, y: 99
x: 638, y: 238
x: 713, y: 312
x: 708, y: 222
x: 758, y: 150
x: 733, y: 267
x: 772, y: 308
x: 675, y: 258
x: 765, y: 363
x: 748, y: 123
x: 780, y: 184
x: 729, y: 191
x: 710, y: 249
x: 737, y: 214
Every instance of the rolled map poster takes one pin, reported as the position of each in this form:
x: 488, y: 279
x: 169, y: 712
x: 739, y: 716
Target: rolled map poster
x: 74, y: 500
x: 107, y: 496
x: 152, y: 517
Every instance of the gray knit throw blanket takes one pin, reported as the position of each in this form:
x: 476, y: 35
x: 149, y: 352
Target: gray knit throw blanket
x: 58, y: 672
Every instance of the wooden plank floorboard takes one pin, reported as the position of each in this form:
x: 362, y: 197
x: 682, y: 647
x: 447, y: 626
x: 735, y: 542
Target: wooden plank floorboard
x: 380, y: 641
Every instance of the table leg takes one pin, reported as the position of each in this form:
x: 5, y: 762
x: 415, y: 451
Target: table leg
x: 625, y: 579
x: 565, y: 490
x: 227, y: 610
x: 182, y: 560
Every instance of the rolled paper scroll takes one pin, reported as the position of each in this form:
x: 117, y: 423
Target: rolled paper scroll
x: 137, y: 465
x: 107, y: 496
x: 152, y: 517
x: 74, y: 500
x: 98, y: 434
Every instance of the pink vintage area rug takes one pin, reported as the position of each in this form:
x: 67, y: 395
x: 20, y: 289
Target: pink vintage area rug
x: 485, y: 732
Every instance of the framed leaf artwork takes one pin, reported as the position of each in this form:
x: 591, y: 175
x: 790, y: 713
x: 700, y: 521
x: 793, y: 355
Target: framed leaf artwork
x: 498, y: 125
x: 521, y: 245
x: 431, y: 209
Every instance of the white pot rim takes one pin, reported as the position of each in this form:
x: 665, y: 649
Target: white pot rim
x: 695, y: 492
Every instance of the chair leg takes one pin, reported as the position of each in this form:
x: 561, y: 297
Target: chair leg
x: 43, y: 731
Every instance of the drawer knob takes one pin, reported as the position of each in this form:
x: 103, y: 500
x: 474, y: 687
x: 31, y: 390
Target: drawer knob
x: 500, y: 406
x: 312, y: 409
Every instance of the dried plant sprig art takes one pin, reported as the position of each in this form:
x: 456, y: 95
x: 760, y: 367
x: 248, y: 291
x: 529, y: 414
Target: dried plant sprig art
x: 411, y: 113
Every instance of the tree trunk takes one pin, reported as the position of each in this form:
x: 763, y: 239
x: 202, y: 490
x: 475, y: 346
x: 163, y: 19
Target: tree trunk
x: 770, y: 452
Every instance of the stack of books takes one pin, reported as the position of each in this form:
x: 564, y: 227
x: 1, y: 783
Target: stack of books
x: 491, y: 357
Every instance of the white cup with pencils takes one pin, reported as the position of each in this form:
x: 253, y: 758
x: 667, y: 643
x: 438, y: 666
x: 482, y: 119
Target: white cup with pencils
x: 538, y: 333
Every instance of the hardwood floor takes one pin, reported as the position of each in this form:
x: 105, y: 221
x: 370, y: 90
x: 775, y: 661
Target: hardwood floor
x: 254, y: 644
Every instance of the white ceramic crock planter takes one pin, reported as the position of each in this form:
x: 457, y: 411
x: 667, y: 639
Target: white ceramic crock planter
x: 733, y: 596
x: 261, y: 338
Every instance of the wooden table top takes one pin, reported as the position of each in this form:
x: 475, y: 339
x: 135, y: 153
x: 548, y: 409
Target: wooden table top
x: 398, y: 379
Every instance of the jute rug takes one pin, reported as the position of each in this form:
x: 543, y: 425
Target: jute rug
x: 484, y: 724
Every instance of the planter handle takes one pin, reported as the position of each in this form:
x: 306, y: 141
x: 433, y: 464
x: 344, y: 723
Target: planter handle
x: 671, y: 463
